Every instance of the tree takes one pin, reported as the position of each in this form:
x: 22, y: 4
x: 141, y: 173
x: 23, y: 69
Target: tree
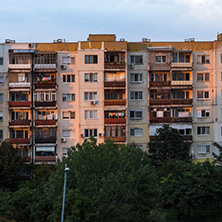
x: 168, y: 145
x: 218, y: 158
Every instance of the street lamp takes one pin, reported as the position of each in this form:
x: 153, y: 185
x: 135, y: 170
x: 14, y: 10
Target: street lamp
x: 64, y: 192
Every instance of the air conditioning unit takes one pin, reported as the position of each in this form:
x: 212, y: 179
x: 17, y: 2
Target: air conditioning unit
x: 94, y: 102
x: 63, y: 66
x: 31, y: 45
x: 63, y: 140
x: 131, y: 66
x: 101, y: 134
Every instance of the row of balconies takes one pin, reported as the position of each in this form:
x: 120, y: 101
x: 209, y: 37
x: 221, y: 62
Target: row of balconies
x: 38, y: 85
x: 28, y: 104
x: 170, y: 119
x: 26, y: 122
x: 172, y: 83
x: 171, y: 101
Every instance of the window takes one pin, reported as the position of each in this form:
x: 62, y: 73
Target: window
x: 136, y: 114
x: 67, y: 133
x: 1, y: 61
x: 204, y: 113
x: 91, y: 59
x: 136, y: 77
x: 46, y: 58
x: 88, y: 96
x: 136, y: 132
x: 90, y: 114
x: 43, y: 96
x: 201, y: 59
x: 68, y: 78
x: 1, y: 134
x: 65, y: 151
x: 90, y: 132
x: 68, y: 97
x: 1, y: 97
x: 186, y: 131
x: 115, y: 131
x: 136, y: 95
x: 68, y: 115
x: 203, y: 149
x: 203, y: 95
x: 1, y: 79
x: 203, y: 130
x: 137, y: 60
x: 114, y: 95
x: 1, y: 116
x: 160, y: 59
x: 66, y: 60
x: 90, y: 77
x: 203, y: 77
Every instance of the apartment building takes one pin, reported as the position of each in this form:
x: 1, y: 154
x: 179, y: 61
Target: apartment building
x: 55, y: 95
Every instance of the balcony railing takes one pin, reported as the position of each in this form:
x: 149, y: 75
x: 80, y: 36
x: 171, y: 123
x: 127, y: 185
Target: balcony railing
x: 186, y: 137
x: 160, y: 83
x: 115, y: 65
x: 45, y: 122
x: 171, y: 120
x: 19, y: 85
x: 181, y: 83
x: 19, y: 103
x: 115, y: 84
x: 45, y: 104
x: 116, y: 139
x: 45, y: 140
x: 20, y: 122
x: 160, y: 119
x: 121, y: 102
x: 115, y: 120
x: 45, y: 85
x: 19, y: 140
x: 45, y: 66
x: 181, y: 119
x: 19, y: 66
x: 181, y: 64
x: 45, y: 158
x: 182, y: 101
x: 160, y: 102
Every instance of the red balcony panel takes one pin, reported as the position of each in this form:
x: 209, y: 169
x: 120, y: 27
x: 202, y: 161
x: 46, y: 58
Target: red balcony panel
x: 160, y: 83
x: 160, y: 119
x: 121, y: 102
x: 160, y: 102
x: 45, y: 159
x: 19, y: 103
x: 117, y: 139
x: 45, y: 122
x: 22, y: 122
x: 115, y: 120
x: 182, y: 101
x: 19, y: 140
x: 45, y: 85
x: 181, y: 119
x: 45, y: 104
x: 115, y: 84
x: 115, y: 65
x: 45, y: 140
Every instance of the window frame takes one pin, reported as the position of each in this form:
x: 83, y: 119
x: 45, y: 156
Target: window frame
x: 71, y: 95
x: 91, y: 59
x: 136, y: 132
x: 133, y: 75
x: 203, y: 130
x: 91, y: 132
x: 134, y: 114
x: 134, y: 58
x: 133, y: 95
x: 93, y: 75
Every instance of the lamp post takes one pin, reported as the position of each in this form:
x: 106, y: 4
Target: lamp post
x: 64, y: 192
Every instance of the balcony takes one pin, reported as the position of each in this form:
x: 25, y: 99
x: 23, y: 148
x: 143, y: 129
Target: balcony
x: 18, y: 85
x: 160, y: 119
x: 181, y: 65
x: 19, y: 103
x: 116, y: 139
x: 160, y: 102
x: 20, y: 122
x: 160, y: 83
x: 45, y: 66
x: 115, y: 121
x: 115, y: 84
x: 182, y: 101
x: 45, y: 85
x: 181, y: 83
x: 19, y: 140
x: 181, y: 119
x: 19, y: 66
x: 45, y: 140
x: 114, y: 66
x: 45, y: 122
x: 121, y: 102
x: 45, y: 159
x: 45, y: 104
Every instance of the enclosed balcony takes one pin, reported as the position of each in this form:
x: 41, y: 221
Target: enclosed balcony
x: 115, y: 60
x: 19, y: 99
x: 116, y: 133
x: 115, y: 117
x: 181, y: 79
x: 20, y: 60
x: 45, y: 153
x: 45, y: 81
x: 115, y: 79
x: 160, y: 97
x: 45, y: 62
x: 45, y: 135
x: 19, y: 80
x: 114, y: 98
x: 182, y: 59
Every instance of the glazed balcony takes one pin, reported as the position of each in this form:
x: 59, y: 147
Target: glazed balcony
x: 160, y: 119
x: 115, y: 121
x: 19, y: 140
x: 182, y: 101
x: 19, y: 103
x: 115, y: 84
x: 45, y: 159
x: 45, y: 140
x: 160, y: 102
x: 45, y: 85
x: 121, y: 139
x: 45, y: 104
x: 114, y: 66
x: 45, y: 122
x: 159, y: 83
x: 45, y: 66
x: 20, y: 122
x: 18, y: 85
x: 121, y: 102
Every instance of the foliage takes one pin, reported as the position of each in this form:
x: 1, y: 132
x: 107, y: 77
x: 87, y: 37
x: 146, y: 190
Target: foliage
x: 168, y: 145
x: 218, y: 158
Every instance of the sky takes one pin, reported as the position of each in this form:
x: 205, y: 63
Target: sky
x: 74, y: 20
